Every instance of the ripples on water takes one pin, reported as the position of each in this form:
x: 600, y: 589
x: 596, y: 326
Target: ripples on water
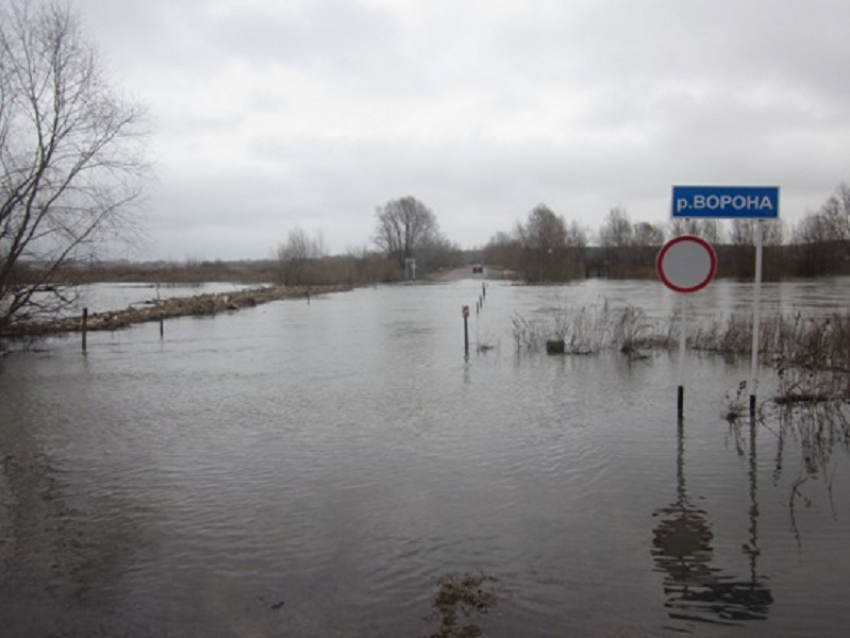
x: 312, y: 470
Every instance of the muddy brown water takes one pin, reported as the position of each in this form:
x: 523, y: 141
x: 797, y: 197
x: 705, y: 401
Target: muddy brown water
x: 315, y: 470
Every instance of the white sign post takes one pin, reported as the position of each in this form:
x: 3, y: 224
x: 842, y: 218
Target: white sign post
x: 734, y: 202
x: 754, y: 359
x: 685, y: 264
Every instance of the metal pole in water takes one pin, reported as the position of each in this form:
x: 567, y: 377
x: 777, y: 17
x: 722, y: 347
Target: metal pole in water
x: 680, y: 403
x: 754, y: 362
x: 84, y: 326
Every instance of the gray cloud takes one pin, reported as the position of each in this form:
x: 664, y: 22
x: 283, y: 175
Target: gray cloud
x: 314, y: 112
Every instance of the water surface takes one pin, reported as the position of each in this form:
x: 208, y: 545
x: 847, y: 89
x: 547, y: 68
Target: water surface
x: 313, y: 469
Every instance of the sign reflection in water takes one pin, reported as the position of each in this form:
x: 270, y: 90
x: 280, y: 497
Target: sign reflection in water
x: 682, y: 547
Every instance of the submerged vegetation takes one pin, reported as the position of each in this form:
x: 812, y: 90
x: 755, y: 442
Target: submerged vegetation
x: 808, y: 353
x: 458, y: 598
x: 808, y: 356
x: 590, y: 329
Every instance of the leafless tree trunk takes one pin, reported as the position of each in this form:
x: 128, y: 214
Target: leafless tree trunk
x: 404, y: 227
x: 71, y: 157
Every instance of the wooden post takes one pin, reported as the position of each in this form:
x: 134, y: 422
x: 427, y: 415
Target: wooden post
x: 161, y: 326
x: 465, y: 312
x: 84, y: 326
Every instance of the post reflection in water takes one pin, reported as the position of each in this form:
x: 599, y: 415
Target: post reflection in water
x: 682, y: 549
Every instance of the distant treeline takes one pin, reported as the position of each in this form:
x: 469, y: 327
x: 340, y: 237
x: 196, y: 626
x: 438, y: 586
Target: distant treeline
x: 528, y: 264
x: 736, y: 262
x: 545, y: 248
x: 350, y: 270
x: 638, y: 262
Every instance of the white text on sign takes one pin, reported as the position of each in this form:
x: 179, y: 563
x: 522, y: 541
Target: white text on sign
x: 726, y: 202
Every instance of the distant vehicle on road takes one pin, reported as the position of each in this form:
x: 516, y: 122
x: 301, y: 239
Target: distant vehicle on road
x: 477, y: 268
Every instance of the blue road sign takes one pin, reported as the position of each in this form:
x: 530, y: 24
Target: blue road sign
x: 726, y: 202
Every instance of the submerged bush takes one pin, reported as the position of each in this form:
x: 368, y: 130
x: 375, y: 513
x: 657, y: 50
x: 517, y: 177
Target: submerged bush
x: 591, y: 328
x: 461, y: 595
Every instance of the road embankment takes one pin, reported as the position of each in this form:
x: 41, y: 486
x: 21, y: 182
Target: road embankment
x: 196, y: 306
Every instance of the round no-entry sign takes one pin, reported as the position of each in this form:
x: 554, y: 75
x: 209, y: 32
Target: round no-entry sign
x: 686, y: 264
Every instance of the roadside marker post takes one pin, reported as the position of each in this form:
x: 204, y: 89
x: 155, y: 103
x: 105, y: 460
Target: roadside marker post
x: 465, y: 312
x: 84, y: 324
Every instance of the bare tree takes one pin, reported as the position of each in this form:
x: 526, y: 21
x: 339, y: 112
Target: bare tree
x: 617, y: 231
x: 404, y: 228
x: 544, y: 230
x: 549, y: 249
x: 742, y: 232
x: 440, y: 252
x: 829, y: 224
x: 616, y: 236
x: 648, y: 235
x: 71, y: 157
x: 297, y: 254
x: 576, y: 235
x: 711, y: 230
x: 822, y: 237
x: 504, y: 249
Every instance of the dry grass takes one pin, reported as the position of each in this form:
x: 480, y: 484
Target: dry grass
x: 592, y: 328
x: 809, y: 354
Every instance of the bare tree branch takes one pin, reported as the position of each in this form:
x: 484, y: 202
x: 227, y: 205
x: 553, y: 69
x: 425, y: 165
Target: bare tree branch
x: 71, y: 156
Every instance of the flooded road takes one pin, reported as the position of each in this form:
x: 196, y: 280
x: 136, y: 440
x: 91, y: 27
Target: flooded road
x: 314, y: 469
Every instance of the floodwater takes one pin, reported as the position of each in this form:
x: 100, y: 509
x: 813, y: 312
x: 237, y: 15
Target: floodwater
x: 314, y: 469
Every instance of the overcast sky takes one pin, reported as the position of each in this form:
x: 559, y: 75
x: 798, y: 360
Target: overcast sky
x: 274, y: 113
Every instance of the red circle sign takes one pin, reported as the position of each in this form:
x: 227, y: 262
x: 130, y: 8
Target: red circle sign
x: 686, y: 264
